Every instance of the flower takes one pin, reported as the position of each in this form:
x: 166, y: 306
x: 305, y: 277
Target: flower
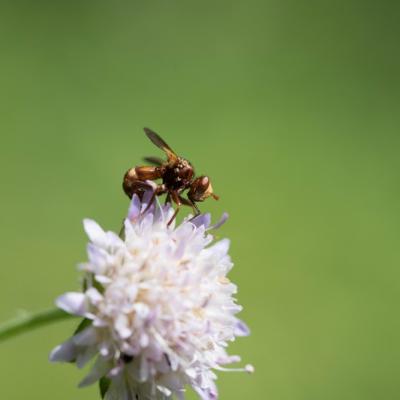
x: 157, y: 306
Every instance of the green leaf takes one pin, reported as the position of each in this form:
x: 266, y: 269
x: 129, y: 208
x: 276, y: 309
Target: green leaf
x: 122, y: 231
x: 93, y: 283
x: 104, y: 384
x: 83, y: 325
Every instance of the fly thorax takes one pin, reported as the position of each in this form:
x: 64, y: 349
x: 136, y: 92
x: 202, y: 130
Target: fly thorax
x: 178, y: 175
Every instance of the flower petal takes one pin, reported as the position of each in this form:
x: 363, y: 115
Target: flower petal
x: 134, y: 208
x: 222, y: 220
x: 85, y: 355
x: 201, y: 220
x: 85, y: 338
x: 94, y: 295
x: 241, y: 329
x: 100, y: 369
x: 65, y: 352
x: 94, y: 232
x: 221, y: 248
x: 72, y: 302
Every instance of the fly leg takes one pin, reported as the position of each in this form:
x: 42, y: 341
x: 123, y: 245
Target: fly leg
x: 177, y: 199
x: 160, y: 189
x: 189, y: 202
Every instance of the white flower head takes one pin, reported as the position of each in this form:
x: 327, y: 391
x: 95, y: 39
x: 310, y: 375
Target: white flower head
x: 157, y: 306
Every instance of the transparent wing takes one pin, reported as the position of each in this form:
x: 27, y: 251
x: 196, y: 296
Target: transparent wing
x: 154, y: 161
x: 160, y: 144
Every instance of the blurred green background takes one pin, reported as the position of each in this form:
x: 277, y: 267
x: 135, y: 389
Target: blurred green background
x: 292, y: 107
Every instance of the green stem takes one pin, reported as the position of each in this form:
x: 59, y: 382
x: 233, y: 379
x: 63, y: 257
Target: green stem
x: 29, y: 321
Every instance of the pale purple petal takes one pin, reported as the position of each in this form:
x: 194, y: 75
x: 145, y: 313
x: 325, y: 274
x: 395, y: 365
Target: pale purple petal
x: 85, y: 355
x: 99, y: 369
x: 229, y: 359
x: 222, y: 220
x: 97, y: 255
x: 206, y: 394
x: 241, y: 329
x: 121, y: 326
x: 94, y: 231
x: 72, y: 302
x: 87, y: 337
x: 113, y: 239
x: 104, y: 280
x: 201, y: 220
x: 134, y: 208
x: 220, y: 249
x: 94, y: 296
x: 65, y: 352
x: 148, y: 194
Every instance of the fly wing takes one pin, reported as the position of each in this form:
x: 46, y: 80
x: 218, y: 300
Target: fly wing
x: 154, y: 161
x: 161, y: 144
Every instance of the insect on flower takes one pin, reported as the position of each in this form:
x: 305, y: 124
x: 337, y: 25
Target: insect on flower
x: 177, y: 176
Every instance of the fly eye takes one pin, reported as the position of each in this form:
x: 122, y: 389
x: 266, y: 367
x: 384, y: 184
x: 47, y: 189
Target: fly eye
x: 205, y: 182
x: 187, y: 173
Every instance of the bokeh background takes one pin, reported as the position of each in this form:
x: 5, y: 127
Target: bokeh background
x: 292, y: 107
